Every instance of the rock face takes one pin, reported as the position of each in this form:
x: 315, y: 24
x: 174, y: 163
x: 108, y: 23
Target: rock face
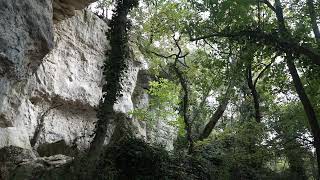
x: 10, y: 156
x: 36, y: 168
x: 49, y: 96
x: 162, y: 134
x: 66, y: 8
x: 62, y: 94
x: 26, y: 35
x: 68, y: 82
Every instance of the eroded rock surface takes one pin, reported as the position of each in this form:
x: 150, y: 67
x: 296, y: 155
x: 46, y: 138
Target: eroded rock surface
x: 26, y: 36
x: 39, y: 168
x: 10, y: 157
x: 51, y: 97
x: 66, y: 8
x: 63, y: 94
x: 26, y: 30
x: 68, y: 82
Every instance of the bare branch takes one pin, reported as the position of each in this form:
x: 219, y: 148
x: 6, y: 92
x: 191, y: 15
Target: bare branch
x: 264, y: 70
x: 163, y: 56
x: 269, y: 5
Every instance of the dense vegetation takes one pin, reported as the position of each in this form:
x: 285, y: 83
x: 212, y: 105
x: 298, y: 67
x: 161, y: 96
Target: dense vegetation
x: 238, y: 79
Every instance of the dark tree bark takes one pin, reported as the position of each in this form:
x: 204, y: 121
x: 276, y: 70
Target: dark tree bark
x: 185, y: 107
x: 115, y: 65
x: 215, y: 117
x: 308, y: 108
x: 280, y: 18
x: 254, y: 93
x: 313, y: 19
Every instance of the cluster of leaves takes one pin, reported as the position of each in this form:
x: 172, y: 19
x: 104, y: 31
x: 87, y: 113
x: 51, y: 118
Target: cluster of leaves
x: 236, y: 153
x: 215, y: 34
x: 204, y: 52
x: 163, y: 105
x: 135, y: 159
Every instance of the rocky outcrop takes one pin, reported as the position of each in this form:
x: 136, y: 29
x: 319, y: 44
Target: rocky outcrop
x: 26, y: 30
x: 162, y: 133
x: 40, y: 168
x: 62, y: 94
x: 14, y: 136
x: 63, y: 9
x: 10, y: 157
x: 49, y: 96
x: 58, y: 101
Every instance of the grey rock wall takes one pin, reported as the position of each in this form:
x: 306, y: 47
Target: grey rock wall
x: 26, y: 36
x: 64, y: 91
x: 51, y: 75
x: 66, y: 8
x: 26, y: 30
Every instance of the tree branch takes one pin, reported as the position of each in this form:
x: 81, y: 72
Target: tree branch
x: 263, y: 71
x: 269, y: 5
x: 215, y: 116
x: 163, y: 56
x: 254, y: 93
x: 281, y: 44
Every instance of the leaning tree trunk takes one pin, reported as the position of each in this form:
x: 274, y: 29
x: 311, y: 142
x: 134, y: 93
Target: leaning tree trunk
x: 114, y: 67
x: 313, y: 19
x: 308, y: 108
x: 215, y: 117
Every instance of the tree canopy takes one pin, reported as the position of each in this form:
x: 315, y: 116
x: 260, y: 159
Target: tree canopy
x: 239, y: 80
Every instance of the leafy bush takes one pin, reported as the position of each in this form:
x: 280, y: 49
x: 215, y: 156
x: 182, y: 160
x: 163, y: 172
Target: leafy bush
x: 135, y: 159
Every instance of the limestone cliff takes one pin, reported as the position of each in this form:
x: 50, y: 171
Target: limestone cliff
x: 51, y: 58
x: 63, y: 92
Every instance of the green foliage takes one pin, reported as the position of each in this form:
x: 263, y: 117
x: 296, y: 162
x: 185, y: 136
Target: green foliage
x: 135, y: 159
x: 239, y: 148
x: 237, y: 152
x: 168, y: 18
x: 163, y: 105
x: 165, y: 93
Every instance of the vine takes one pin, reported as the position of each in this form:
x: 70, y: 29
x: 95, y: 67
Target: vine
x: 114, y: 67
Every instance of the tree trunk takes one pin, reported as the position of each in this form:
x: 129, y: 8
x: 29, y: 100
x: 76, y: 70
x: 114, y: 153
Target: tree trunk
x: 185, y: 107
x: 222, y: 106
x: 311, y: 115
x: 215, y: 118
x: 254, y: 93
x: 313, y: 19
x: 114, y: 67
x: 308, y: 108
